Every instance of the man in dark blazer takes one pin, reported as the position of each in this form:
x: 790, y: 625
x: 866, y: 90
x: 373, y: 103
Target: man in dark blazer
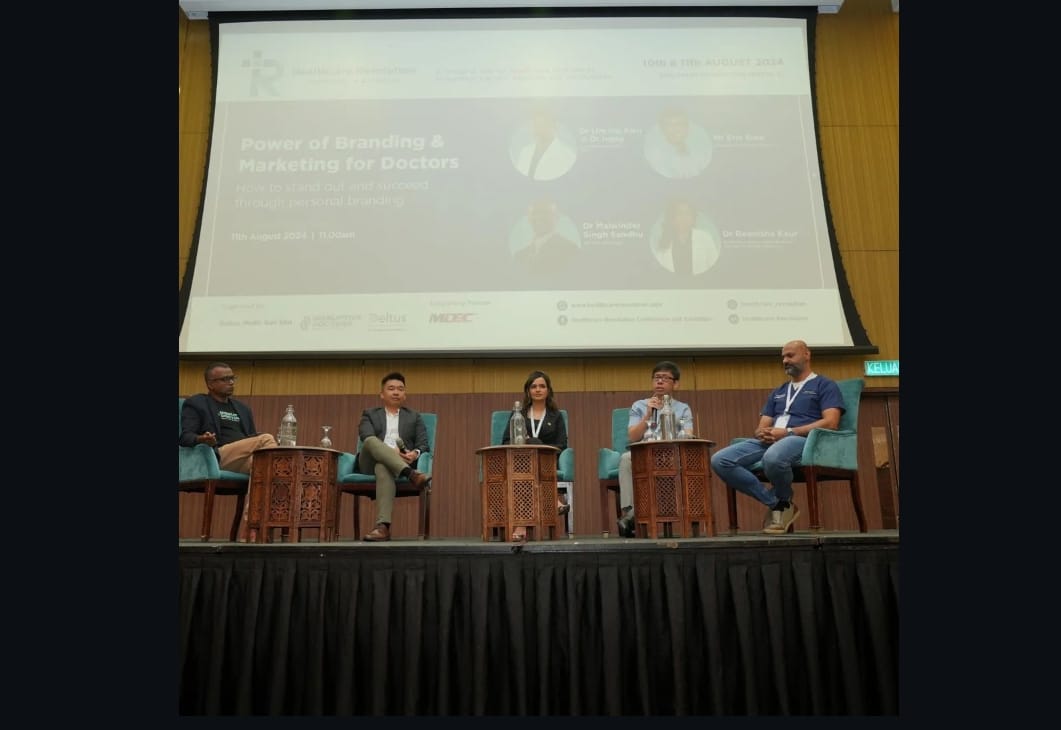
x: 219, y: 420
x: 548, y: 251
x: 392, y: 439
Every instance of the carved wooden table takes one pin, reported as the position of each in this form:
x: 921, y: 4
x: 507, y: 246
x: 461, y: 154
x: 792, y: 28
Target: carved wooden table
x: 293, y: 488
x: 672, y: 488
x: 518, y: 488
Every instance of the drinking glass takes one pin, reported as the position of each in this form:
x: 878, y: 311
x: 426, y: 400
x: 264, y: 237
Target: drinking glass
x: 685, y: 430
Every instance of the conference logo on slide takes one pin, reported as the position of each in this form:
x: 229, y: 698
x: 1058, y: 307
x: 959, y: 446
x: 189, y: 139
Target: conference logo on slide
x: 264, y: 73
x: 451, y: 317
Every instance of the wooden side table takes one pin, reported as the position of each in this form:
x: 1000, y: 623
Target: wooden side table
x: 518, y: 489
x: 293, y: 488
x: 672, y: 488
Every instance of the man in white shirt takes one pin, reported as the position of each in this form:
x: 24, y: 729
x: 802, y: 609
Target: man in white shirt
x: 677, y: 149
x: 548, y: 156
x: 392, y: 438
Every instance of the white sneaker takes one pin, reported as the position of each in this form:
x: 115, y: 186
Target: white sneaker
x: 781, y: 520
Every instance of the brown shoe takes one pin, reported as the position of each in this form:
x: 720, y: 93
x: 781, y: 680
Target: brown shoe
x: 382, y: 533
x: 418, y: 479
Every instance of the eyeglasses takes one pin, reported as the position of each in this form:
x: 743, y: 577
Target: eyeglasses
x: 226, y: 379
x: 663, y: 378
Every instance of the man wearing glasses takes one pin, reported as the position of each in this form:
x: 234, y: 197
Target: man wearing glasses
x: 219, y: 420
x: 644, y: 415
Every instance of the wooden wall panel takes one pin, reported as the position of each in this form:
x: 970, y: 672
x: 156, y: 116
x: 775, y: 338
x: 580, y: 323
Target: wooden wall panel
x: 857, y: 65
x: 464, y: 426
x: 862, y: 182
x: 874, y: 277
x: 315, y: 377
x: 195, y: 69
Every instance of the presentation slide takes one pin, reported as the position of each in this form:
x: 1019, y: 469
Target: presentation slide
x: 512, y: 185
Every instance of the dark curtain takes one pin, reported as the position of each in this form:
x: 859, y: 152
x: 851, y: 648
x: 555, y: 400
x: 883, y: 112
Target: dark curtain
x: 810, y: 629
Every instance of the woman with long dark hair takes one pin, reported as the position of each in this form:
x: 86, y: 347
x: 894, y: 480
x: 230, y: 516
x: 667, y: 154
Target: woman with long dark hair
x: 545, y: 425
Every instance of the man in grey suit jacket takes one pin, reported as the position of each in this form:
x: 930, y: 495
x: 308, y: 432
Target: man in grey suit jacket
x: 392, y: 439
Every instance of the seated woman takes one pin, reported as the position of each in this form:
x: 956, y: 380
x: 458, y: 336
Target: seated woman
x: 545, y: 425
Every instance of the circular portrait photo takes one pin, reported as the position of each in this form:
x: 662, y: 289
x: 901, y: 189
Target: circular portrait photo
x: 676, y: 147
x: 683, y: 240
x: 542, y: 149
x: 544, y: 240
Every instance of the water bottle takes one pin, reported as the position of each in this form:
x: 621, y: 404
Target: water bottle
x: 517, y: 427
x: 666, y: 420
x: 289, y: 428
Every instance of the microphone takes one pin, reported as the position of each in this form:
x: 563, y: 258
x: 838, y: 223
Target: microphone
x: 399, y: 443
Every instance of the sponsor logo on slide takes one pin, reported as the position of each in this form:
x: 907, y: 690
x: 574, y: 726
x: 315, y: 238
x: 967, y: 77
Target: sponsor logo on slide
x: 451, y: 317
x: 328, y: 321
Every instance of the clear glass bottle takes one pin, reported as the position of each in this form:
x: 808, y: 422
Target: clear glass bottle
x: 517, y: 427
x: 667, y: 427
x: 289, y: 428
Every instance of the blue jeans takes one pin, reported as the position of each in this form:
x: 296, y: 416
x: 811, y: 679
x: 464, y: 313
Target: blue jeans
x: 733, y: 465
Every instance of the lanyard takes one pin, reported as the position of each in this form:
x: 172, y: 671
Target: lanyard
x: 535, y: 430
x: 793, y: 391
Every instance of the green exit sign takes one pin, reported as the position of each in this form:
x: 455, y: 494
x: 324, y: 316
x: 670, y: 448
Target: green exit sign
x: 882, y: 367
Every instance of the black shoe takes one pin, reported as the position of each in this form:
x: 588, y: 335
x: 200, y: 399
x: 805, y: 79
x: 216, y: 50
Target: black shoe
x: 626, y: 524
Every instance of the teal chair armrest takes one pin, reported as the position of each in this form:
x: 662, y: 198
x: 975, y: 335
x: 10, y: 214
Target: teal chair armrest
x: 565, y: 469
x: 425, y: 462
x: 195, y: 463
x: 347, y: 473
x: 836, y: 449
x: 608, y: 463
x: 345, y: 466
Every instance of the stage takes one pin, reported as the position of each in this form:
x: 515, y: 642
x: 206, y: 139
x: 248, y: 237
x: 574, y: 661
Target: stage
x: 803, y: 624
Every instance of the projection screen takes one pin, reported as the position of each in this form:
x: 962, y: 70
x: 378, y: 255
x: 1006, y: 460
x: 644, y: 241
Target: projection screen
x: 514, y: 185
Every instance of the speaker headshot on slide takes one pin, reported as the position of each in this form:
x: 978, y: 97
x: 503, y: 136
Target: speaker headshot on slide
x: 544, y: 241
x: 543, y: 149
x: 683, y: 240
x: 676, y: 147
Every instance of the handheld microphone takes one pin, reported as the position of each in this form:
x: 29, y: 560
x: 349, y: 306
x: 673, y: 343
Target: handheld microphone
x: 399, y: 443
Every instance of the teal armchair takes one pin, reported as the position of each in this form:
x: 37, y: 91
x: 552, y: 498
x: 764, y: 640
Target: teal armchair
x: 828, y: 456
x: 198, y: 471
x: 608, y: 465
x: 358, y: 485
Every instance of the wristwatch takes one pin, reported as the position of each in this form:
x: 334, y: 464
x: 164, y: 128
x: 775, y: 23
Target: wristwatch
x: 790, y: 432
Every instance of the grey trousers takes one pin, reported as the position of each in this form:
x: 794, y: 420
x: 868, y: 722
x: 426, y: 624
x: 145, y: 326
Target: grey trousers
x: 384, y: 461
x: 626, y: 481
